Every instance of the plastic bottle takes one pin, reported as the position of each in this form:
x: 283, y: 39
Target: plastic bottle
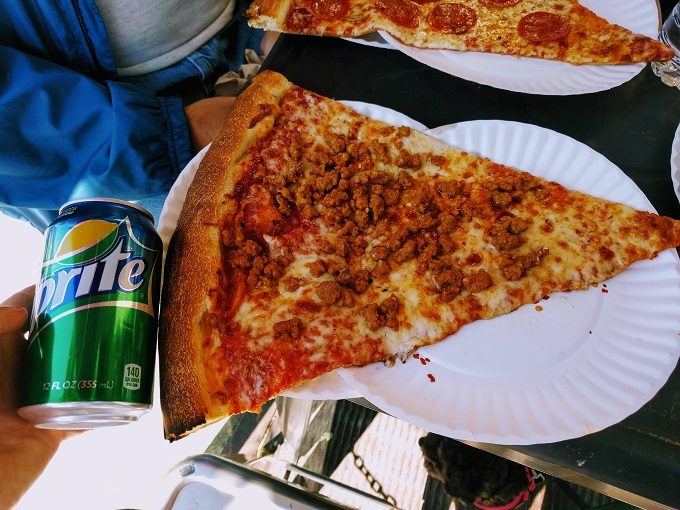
x: 669, y: 72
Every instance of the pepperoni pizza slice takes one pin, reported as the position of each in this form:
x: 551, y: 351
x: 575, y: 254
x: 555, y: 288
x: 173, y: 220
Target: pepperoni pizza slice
x: 561, y: 30
x: 313, y: 237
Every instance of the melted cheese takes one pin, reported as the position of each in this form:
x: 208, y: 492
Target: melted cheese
x: 590, y: 40
x: 581, y: 239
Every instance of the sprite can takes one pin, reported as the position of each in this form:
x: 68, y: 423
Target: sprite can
x: 91, y: 347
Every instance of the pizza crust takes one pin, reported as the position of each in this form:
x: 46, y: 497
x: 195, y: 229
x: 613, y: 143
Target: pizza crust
x: 225, y: 350
x: 191, y: 281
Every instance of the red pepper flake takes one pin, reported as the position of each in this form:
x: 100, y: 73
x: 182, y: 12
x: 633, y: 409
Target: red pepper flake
x: 427, y: 359
x: 422, y: 361
x: 416, y: 355
x: 605, y: 291
x: 538, y: 308
x: 590, y: 332
x: 604, y: 285
x: 431, y: 377
x: 546, y: 297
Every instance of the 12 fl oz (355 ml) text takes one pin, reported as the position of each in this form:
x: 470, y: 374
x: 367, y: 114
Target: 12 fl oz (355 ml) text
x: 83, y: 384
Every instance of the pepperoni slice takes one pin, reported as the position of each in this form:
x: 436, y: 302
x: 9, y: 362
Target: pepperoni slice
x: 543, y: 26
x: 329, y: 10
x: 452, y: 18
x: 499, y: 3
x: 299, y: 20
x: 401, y: 12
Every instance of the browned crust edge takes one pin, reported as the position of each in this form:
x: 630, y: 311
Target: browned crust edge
x: 194, y: 260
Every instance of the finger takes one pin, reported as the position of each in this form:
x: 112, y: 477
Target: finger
x: 23, y: 298
x: 12, y: 347
x: 12, y: 319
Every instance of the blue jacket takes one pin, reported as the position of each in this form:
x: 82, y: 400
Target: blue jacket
x: 67, y: 128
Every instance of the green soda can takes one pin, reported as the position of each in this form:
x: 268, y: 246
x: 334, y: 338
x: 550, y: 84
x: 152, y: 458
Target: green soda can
x: 92, y: 342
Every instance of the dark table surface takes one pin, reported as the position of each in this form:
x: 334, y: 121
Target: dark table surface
x: 633, y: 125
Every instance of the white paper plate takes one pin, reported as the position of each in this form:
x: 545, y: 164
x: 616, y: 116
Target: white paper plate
x: 584, y: 362
x: 329, y: 386
x: 675, y: 163
x: 537, y: 76
x: 373, y: 39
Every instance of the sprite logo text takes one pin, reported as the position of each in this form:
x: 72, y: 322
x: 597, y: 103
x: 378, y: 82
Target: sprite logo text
x: 119, y: 270
x: 96, y: 263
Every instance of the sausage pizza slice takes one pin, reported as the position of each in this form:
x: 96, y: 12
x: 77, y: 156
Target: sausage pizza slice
x: 313, y: 237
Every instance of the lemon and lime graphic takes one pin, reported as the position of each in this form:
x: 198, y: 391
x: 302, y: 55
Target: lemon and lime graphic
x: 85, y: 242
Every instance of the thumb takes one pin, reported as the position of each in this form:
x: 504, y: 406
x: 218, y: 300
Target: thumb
x: 12, y: 319
x: 23, y: 298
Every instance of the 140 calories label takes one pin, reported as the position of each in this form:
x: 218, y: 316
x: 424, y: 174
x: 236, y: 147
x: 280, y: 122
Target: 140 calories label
x: 133, y: 376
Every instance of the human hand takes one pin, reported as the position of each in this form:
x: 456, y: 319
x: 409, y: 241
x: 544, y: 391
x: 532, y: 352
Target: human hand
x: 205, y: 118
x: 24, y: 450
x: 267, y: 43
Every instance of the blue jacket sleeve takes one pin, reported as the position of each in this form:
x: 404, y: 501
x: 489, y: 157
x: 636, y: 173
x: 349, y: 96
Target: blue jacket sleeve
x: 65, y: 136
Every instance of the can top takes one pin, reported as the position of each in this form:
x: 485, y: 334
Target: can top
x: 109, y: 200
